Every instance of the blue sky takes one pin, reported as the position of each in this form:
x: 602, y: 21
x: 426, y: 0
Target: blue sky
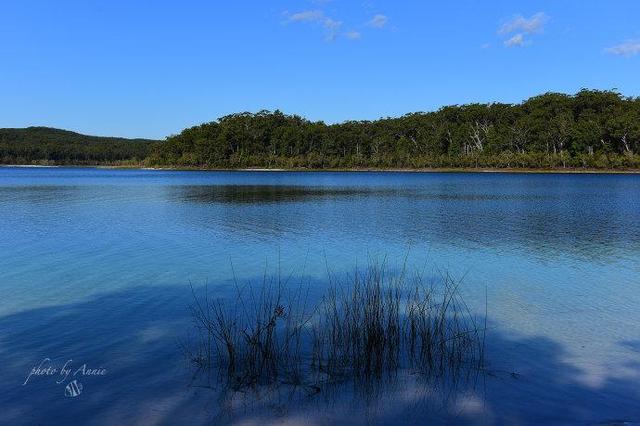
x: 150, y: 68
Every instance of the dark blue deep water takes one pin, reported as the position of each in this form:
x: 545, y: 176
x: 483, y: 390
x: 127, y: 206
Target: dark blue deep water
x: 95, y: 267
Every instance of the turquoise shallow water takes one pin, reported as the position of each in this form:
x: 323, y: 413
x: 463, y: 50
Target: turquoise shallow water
x: 95, y: 266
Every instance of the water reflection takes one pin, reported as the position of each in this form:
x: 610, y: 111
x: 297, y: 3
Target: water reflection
x: 264, y: 194
x: 39, y: 194
x: 591, y: 225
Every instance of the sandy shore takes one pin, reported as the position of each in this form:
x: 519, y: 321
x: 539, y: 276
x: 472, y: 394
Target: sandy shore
x: 30, y: 166
x: 428, y: 170
x: 368, y: 170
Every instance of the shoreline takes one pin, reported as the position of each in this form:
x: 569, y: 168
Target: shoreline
x: 29, y: 166
x: 351, y: 170
x: 392, y: 170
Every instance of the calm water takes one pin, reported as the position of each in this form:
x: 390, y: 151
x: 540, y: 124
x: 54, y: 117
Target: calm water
x: 95, y: 267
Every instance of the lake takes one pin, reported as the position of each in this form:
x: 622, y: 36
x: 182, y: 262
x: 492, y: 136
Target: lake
x: 96, y: 264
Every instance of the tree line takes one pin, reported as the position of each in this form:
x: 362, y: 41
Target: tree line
x: 48, y: 146
x: 591, y: 129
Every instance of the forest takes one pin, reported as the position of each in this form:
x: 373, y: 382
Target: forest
x: 48, y: 146
x: 591, y: 129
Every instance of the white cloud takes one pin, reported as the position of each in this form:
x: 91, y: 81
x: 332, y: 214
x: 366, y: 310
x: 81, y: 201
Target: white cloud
x: 521, y: 24
x: 523, y: 28
x: 331, y: 26
x: 628, y: 48
x: 353, y: 35
x: 516, y: 40
x: 306, y: 16
x: 378, y: 21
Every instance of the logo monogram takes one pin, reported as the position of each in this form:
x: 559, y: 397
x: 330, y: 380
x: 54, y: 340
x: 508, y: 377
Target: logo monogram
x: 73, y: 389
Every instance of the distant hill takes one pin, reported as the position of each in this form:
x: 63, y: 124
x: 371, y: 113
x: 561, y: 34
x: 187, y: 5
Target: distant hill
x: 45, y: 145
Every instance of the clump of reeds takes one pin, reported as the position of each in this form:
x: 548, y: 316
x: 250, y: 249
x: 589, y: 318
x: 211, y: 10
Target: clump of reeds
x: 256, y: 339
x: 366, y: 327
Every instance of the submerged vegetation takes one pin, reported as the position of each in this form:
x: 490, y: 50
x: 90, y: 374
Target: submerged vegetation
x: 592, y: 129
x: 367, y: 328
